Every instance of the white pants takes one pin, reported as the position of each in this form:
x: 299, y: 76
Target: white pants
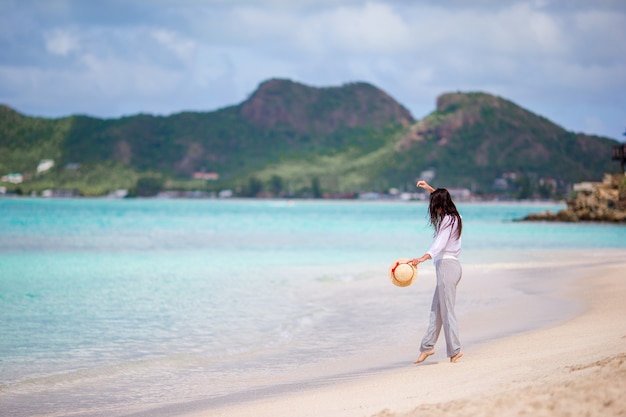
x: 449, y: 273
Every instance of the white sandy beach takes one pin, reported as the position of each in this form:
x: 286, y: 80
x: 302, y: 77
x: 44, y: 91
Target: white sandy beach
x: 577, y: 367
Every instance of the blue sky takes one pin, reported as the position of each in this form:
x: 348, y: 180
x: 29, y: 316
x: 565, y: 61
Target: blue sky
x: 565, y: 60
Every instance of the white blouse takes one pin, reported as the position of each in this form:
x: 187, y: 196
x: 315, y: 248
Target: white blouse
x: 446, y: 245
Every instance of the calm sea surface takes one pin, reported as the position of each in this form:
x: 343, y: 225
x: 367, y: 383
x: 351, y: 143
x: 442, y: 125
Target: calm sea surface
x: 109, y: 307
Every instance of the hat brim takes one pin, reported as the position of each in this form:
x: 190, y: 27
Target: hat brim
x: 392, y: 276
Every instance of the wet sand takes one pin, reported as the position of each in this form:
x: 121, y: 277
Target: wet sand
x: 574, y: 367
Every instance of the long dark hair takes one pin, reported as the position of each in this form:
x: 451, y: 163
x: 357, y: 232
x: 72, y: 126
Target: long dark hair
x: 441, y: 204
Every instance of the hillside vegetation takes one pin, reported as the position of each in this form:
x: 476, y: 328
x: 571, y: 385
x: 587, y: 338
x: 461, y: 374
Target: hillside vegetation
x: 473, y: 138
x: 291, y: 139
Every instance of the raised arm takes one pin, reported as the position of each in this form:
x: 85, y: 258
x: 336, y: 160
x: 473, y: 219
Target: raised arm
x: 424, y: 184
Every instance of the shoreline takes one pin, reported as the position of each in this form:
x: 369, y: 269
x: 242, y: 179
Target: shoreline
x: 505, y: 302
x: 504, y: 375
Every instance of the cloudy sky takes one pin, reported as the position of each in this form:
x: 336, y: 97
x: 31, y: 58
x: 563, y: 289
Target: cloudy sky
x: 565, y: 60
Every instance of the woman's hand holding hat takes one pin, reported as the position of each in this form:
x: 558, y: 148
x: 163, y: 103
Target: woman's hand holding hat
x: 416, y: 261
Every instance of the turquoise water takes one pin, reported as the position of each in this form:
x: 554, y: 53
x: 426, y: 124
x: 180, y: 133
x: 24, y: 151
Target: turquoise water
x: 123, y: 305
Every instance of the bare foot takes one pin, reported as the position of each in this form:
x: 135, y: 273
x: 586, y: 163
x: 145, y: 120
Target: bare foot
x: 424, y: 355
x: 456, y: 357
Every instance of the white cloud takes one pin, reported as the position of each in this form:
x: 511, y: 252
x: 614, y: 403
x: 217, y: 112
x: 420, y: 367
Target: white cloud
x: 61, y: 42
x: 167, y: 56
x: 373, y: 28
x: 182, y: 47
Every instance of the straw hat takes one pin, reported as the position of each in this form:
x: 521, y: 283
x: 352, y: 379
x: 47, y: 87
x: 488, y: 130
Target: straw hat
x: 402, y: 273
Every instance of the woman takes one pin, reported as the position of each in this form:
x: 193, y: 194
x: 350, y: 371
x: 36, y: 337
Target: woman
x: 444, y: 251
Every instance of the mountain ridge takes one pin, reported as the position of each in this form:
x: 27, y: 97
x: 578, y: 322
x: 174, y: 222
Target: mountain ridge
x: 499, y: 135
x: 350, y: 139
x: 284, y: 101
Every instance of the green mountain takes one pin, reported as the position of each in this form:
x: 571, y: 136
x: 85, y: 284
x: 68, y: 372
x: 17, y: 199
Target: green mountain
x: 289, y: 138
x: 473, y: 138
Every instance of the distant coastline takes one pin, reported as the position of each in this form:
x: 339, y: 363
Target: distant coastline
x: 594, y: 202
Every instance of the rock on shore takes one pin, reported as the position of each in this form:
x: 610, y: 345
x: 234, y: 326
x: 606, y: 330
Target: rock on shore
x: 598, y: 202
